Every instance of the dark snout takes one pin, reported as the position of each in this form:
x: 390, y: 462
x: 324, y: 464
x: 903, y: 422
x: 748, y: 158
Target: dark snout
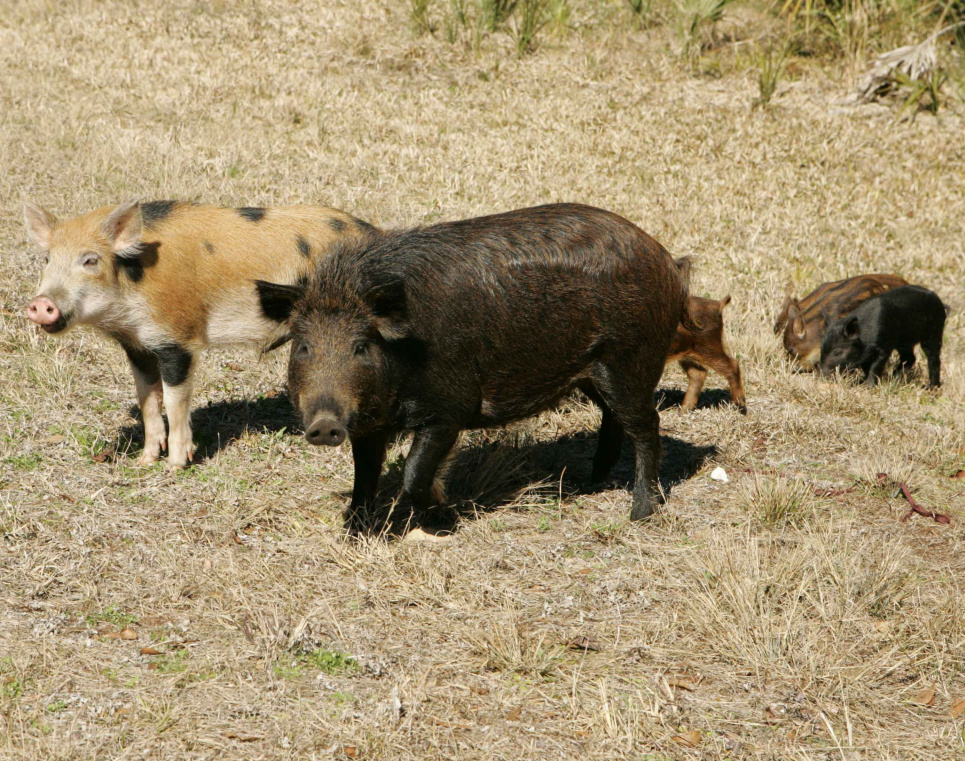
x: 325, y: 432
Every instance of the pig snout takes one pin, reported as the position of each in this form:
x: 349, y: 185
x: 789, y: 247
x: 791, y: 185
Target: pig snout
x: 43, y: 311
x: 325, y: 432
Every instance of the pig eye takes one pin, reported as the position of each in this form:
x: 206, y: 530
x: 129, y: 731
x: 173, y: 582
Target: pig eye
x: 302, y: 350
x: 89, y: 260
x: 361, y: 348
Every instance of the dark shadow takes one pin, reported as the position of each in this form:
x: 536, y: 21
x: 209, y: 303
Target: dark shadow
x: 672, y: 398
x: 219, y: 424
x: 485, y: 476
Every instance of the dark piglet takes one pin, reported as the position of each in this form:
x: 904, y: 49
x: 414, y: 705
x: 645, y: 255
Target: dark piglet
x: 896, y: 320
x: 480, y: 323
x: 702, y: 348
x: 803, y: 321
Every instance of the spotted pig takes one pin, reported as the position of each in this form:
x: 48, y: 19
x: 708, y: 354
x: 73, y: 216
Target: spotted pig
x: 168, y: 278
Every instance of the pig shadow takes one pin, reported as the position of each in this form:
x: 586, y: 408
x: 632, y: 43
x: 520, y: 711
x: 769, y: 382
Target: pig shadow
x: 487, y: 476
x: 219, y: 424
x: 672, y: 398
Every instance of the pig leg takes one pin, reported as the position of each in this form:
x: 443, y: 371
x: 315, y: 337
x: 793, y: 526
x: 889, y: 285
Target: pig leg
x: 906, y: 360
x: 609, y: 439
x: 430, y: 447
x: 933, y: 352
x: 177, y: 371
x: 632, y: 404
x: 731, y: 370
x: 696, y: 375
x: 147, y: 381
x: 875, y: 367
x: 368, y: 452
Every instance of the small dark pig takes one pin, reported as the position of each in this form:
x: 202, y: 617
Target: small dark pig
x: 895, y: 320
x: 698, y: 349
x: 804, y: 321
x: 479, y: 323
x: 167, y: 279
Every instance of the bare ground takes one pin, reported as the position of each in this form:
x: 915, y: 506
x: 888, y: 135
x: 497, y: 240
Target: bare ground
x: 788, y: 613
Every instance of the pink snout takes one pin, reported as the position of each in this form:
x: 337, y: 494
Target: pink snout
x: 43, y: 311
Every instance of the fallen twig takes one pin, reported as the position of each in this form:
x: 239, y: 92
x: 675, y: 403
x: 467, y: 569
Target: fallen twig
x: 915, y: 507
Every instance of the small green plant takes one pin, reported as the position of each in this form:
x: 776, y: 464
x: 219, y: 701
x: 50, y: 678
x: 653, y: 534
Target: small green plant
x: 559, y: 13
x: 330, y: 661
x: 543, y: 524
x: 494, y: 13
x: 527, y: 23
x: 923, y: 94
x: 172, y: 663
x: 695, y: 15
x: 57, y: 706
x: 419, y: 17
x: 640, y: 11
x: 110, y: 615
x: 25, y: 461
x: 287, y: 670
x: 770, y: 68
x: 10, y: 687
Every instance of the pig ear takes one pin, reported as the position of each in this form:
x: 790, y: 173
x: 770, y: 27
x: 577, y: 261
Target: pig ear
x: 388, y: 304
x: 796, y: 319
x: 123, y: 227
x: 277, y: 301
x: 40, y: 223
x: 781, y: 320
x: 851, y: 327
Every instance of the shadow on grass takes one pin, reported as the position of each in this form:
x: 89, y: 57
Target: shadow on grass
x: 518, y: 471
x: 671, y: 398
x: 219, y: 424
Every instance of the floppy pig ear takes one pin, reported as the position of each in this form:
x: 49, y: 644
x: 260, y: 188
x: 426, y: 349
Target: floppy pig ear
x: 388, y: 304
x: 123, y: 226
x: 39, y: 222
x: 851, y: 327
x: 277, y: 300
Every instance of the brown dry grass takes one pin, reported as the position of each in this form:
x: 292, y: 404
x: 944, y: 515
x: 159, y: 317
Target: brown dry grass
x: 773, y: 622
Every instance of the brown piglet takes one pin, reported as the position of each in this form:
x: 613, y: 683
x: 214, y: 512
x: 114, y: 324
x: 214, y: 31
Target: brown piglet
x: 698, y: 350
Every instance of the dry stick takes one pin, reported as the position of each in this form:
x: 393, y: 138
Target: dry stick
x: 915, y: 507
x: 882, y: 481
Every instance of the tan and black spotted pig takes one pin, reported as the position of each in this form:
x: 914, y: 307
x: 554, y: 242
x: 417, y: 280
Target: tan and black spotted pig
x: 167, y: 279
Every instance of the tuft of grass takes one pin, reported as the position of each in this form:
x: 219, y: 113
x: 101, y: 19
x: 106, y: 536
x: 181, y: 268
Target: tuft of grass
x: 770, y: 68
x: 640, y: 12
x: 419, y: 18
x: 922, y: 94
x: 529, y: 19
x: 781, y: 502
x: 507, y: 647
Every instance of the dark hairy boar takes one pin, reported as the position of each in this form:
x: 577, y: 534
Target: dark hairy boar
x: 480, y: 323
x: 893, y: 321
x: 804, y: 321
x: 703, y: 347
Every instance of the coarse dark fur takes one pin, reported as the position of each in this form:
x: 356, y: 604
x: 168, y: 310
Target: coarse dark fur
x: 480, y: 323
x: 896, y: 320
x: 803, y: 321
x: 703, y: 348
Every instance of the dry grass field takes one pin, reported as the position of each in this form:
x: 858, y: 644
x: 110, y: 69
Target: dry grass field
x: 220, y: 612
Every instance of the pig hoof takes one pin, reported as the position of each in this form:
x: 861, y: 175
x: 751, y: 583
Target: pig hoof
x: 146, y: 459
x: 173, y: 466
